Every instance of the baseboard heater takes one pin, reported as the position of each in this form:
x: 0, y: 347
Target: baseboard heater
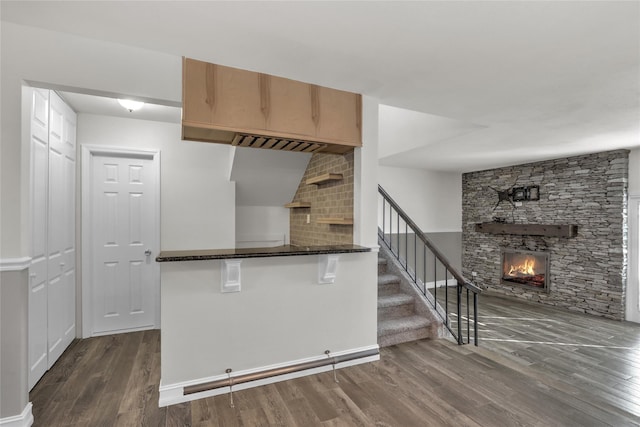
x: 241, y: 379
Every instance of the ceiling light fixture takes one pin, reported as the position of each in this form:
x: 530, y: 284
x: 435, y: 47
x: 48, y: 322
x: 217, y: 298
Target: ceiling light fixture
x: 130, y: 104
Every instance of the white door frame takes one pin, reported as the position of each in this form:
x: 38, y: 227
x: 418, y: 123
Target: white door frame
x: 88, y: 151
x: 633, y: 271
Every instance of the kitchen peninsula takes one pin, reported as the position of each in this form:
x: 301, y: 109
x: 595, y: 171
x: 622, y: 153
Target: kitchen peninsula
x: 280, y: 322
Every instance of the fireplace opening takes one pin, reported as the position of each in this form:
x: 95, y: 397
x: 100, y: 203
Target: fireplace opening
x: 525, y: 268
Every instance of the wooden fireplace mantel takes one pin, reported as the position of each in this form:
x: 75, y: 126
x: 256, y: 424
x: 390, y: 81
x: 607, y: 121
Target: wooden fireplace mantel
x: 549, y: 230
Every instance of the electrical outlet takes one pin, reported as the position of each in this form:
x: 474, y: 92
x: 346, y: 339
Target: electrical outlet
x: 474, y: 274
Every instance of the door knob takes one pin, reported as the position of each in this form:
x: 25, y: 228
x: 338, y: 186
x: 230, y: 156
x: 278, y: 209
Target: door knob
x: 147, y: 252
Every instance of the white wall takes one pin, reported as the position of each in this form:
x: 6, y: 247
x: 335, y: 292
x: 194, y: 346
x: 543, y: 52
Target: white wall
x: 14, y: 356
x: 261, y: 226
x: 197, y: 200
x: 432, y: 199
x: 633, y: 279
x: 634, y: 172
x: 365, y: 177
x: 265, y: 181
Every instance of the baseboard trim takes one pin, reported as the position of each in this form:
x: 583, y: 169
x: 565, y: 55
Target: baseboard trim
x: 123, y: 331
x: 25, y: 419
x: 15, y: 264
x: 171, y: 394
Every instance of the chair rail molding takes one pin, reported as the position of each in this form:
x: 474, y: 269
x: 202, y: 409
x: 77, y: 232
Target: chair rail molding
x: 15, y: 264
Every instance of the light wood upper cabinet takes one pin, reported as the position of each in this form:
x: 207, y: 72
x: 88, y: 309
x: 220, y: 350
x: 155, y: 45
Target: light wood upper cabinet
x: 290, y: 107
x: 223, y: 96
x: 340, y: 116
x: 222, y: 103
x: 196, y: 105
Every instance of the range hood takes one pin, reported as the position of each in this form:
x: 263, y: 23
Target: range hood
x: 247, y: 109
x: 238, y: 139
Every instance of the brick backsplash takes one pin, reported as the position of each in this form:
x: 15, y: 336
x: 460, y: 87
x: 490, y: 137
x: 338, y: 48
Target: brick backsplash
x: 588, y: 272
x: 331, y: 199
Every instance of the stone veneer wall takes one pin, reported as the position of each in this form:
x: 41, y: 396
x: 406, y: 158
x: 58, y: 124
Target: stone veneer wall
x: 588, y: 272
x: 331, y: 199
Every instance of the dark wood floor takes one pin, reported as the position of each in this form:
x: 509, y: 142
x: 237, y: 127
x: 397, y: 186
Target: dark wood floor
x: 535, y: 367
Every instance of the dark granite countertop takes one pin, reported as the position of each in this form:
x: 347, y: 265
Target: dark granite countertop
x: 286, y: 250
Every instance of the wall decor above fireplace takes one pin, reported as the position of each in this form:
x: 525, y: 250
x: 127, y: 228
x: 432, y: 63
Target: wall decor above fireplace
x: 517, y: 194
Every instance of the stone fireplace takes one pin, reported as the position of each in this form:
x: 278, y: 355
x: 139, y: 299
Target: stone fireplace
x: 579, y: 222
x: 525, y: 268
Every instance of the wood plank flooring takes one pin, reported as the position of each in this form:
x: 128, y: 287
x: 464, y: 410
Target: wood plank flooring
x: 536, y: 366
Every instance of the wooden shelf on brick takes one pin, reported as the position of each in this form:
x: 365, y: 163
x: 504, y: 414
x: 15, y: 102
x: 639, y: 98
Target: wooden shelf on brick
x: 327, y: 177
x: 551, y: 230
x: 335, y: 221
x: 296, y: 205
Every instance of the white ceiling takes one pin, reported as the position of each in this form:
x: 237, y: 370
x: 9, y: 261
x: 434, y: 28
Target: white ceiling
x: 91, y: 104
x: 489, y: 83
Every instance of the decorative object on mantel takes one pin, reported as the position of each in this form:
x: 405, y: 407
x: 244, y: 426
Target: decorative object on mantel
x: 549, y: 230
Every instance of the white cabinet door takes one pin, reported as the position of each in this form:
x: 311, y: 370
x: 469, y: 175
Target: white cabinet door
x: 124, y: 285
x: 39, y: 224
x: 52, y: 271
x: 61, y: 235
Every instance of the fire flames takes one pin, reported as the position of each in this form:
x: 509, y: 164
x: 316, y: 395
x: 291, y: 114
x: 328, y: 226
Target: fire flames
x: 527, y: 268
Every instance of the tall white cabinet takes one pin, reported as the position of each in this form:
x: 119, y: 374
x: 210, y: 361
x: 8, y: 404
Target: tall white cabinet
x: 52, y: 274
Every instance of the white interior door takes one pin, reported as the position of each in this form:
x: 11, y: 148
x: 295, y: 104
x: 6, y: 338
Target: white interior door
x: 633, y: 283
x: 124, y: 242
x: 38, y: 361
x: 61, y: 227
